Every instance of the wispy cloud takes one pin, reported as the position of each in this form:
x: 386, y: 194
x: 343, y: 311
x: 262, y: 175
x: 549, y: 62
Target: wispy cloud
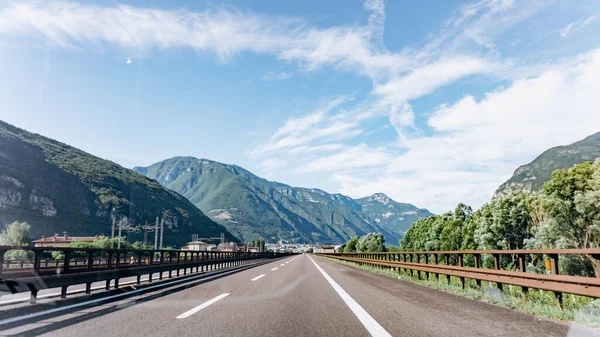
x: 469, y: 146
x: 460, y: 151
x: 220, y: 31
x: 271, y: 76
x: 575, y: 26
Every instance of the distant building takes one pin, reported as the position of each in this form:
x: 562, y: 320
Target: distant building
x: 228, y: 247
x: 62, y: 241
x: 253, y: 250
x: 326, y: 249
x: 197, y: 246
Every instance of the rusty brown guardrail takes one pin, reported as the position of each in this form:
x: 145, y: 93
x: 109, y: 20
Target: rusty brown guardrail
x: 451, y: 263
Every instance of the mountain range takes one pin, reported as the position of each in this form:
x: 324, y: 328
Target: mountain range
x: 57, y: 188
x: 531, y: 177
x: 250, y: 206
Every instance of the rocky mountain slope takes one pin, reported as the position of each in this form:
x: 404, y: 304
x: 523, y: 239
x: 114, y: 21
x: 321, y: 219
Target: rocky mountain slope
x: 531, y: 177
x: 55, y: 188
x: 251, y: 207
x: 395, y: 216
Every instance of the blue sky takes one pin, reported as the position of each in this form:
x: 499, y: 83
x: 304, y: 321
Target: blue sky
x: 430, y: 102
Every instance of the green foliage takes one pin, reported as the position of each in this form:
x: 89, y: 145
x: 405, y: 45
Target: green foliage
x: 372, y: 242
x: 350, y: 246
x: 571, y: 203
x: 565, y: 215
x: 104, y: 243
x: 260, y: 243
x: 16, y: 234
x: 450, y: 231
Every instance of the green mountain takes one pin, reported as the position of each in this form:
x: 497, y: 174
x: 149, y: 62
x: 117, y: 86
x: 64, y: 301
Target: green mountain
x: 55, y: 188
x: 251, y: 207
x: 395, y: 216
x: 531, y: 177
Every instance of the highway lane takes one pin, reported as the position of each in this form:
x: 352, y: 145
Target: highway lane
x: 293, y: 297
x: 408, y: 309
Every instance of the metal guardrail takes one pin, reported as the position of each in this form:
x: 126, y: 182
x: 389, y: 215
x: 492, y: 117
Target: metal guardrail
x: 452, y: 264
x: 113, y: 264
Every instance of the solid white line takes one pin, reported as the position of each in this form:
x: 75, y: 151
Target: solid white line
x: 274, y: 269
x: 202, y: 306
x: 374, y: 328
x: 258, y: 277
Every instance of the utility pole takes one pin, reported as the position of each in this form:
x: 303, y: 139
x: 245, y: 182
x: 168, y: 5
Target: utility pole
x: 112, y: 235
x: 146, y: 233
x: 119, y: 244
x: 156, y: 235
x: 162, y: 231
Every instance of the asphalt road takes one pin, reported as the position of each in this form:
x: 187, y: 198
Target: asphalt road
x: 297, y: 296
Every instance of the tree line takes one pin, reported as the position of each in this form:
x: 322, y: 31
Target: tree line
x: 565, y: 214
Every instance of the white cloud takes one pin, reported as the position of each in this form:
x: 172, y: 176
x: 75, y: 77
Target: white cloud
x: 575, y: 26
x: 465, y: 149
x: 426, y: 79
x: 354, y: 157
x: 221, y: 31
x: 478, y: 144
x: 271, y: 76
x: 300, y: 131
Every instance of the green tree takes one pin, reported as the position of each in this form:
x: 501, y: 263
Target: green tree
x: 571, y: 220
x: 351, y: 245
x: 16, y: 234
x: 371, y: 242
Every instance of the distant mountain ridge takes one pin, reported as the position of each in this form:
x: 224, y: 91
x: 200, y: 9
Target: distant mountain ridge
x: 251, y: 206
x: 56, y: 188
x: 395, y: 216
x: 531, y: 177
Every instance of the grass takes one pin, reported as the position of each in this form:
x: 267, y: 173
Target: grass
x: 581, y: 309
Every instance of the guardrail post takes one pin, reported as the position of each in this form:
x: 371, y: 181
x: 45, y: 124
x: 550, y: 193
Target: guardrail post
x: 36, y: 262
x: 2, y: 252
x: 63, y: 289
x: 108, y: 266
x: 477, y: 263
x: 178, y: 259
x: 435, y: 261
x: 556, y: 271
x: 523, y: 269
x: 426, y: 262
x: 118, y: 266
x: 461, y: 264
x: 596, y: 258
x: 447, y: 260
x: 498, y: 266
x: 170, y: 262
x: 90, y: 267
x: 185, y: 257
x: 66, y: 262
x: 412, y: 275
